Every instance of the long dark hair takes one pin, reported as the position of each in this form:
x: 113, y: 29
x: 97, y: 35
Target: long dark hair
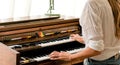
x: 115, y: 5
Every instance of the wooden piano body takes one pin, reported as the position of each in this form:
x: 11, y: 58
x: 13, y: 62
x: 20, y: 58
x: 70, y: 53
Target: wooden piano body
x: 24, y: 39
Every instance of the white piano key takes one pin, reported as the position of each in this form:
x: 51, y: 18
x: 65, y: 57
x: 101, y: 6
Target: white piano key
x: 41, y: 58
x: 56, y: 42
x: 75, y: 50
x: 15, y: 46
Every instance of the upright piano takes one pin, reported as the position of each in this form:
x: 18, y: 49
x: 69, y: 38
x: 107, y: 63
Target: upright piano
x: 29, y: 40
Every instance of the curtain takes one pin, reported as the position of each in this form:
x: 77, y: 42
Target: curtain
x: 39, y: 7
x: 6, y: 8
x: 22, y: 8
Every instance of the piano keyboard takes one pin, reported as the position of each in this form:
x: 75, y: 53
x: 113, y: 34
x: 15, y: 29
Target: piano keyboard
x: 46, y: 57
x: 55, y: 42
x: 45, y: 43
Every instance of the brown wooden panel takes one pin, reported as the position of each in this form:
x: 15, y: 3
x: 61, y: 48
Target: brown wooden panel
x: 7, y: 55
x: 36, y: 29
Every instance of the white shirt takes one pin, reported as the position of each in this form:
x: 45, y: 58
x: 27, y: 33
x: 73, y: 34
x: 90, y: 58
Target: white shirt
x: 98, y: 29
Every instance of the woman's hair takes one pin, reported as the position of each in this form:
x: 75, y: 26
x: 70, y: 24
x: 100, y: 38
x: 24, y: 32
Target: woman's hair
x: 115, y: 5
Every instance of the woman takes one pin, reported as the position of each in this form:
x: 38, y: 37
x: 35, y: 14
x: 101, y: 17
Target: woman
x: 100, y: 23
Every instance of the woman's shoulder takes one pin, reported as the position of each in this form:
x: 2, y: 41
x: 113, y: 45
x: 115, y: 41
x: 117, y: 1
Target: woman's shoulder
x: 95, y: 1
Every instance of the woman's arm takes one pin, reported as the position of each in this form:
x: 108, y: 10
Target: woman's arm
x: 87, y: 52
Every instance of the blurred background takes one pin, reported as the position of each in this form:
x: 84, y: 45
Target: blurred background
x: 21, y: 8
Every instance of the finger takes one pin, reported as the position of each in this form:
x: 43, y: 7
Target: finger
x: 72, y: 35
x: 54, y: 53
x: 55, y: 58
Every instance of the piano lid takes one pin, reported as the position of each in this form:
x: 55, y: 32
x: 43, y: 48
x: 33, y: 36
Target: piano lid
x: 26, y: 19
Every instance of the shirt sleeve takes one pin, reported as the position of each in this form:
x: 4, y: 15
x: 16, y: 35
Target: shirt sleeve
x: 91, y: 23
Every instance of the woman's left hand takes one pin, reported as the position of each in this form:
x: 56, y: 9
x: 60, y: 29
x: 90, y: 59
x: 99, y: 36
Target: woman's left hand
x: 55, y: 55
x: 77, y: 37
